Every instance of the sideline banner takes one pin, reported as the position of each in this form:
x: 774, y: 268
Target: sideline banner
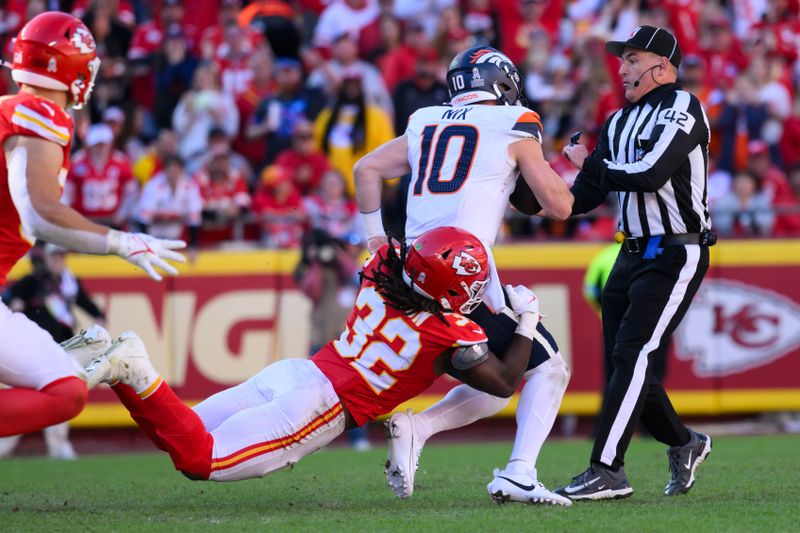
x: 231, y: 313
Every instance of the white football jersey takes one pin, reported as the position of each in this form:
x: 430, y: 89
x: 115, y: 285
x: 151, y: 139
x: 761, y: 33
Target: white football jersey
x: 461, y: 172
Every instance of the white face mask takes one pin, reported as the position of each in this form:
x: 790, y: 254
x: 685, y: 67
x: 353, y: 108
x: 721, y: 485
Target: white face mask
x: 78, y: 85
x: 475, y: 292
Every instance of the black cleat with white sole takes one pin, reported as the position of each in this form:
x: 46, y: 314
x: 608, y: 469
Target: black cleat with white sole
x: 683, y: 463
x: 598, y: 483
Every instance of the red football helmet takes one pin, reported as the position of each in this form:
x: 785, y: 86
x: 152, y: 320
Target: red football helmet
x: 55, y: 50
x: 448, y: 265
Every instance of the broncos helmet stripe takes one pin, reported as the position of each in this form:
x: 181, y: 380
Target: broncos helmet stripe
x: 484, y: 73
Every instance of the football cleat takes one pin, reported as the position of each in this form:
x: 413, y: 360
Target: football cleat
x: 683, y: 462
x: 87, y: 345
x: 598, y: 483
x: 523, y: 488
x: 125, y: 361
x: 405, y: 447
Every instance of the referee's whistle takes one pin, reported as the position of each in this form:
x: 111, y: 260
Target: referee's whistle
x: 576, y: 137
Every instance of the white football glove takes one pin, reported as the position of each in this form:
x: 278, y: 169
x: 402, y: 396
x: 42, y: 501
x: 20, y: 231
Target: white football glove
x: 525, y: 305
x: 522, y: 300
x: 146, y: 251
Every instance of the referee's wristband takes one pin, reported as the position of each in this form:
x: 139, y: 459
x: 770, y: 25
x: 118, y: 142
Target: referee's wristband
x: 373, y: 224
x: 527, y: 324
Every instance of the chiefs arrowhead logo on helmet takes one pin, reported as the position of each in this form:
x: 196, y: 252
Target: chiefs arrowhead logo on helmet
x: 448, y: 265
x: 466, y: 265
x: 83, y: 40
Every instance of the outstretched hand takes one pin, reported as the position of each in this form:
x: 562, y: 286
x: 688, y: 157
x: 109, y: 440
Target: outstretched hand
x: 146, y: 251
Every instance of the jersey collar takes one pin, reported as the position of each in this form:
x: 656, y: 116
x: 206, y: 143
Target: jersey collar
x: 657, y: 93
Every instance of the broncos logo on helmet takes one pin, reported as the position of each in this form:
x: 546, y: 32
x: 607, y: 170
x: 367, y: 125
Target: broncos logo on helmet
x: 474, y: 56
x: 483, y: 73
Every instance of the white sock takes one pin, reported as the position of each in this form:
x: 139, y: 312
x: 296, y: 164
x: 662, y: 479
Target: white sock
x: 139, y: 374
x: 144, y: 379
x: 461, y: 406
x: 536, y: 412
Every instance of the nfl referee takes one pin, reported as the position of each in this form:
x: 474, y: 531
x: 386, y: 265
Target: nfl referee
x: 653, y: 155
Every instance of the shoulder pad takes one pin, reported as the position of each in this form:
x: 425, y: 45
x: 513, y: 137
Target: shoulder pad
x: 466, y: 357
x: 36, y: 118
x: 528, y: 124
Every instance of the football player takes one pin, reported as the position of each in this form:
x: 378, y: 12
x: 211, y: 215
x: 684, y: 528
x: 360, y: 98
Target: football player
x: 406, y: 328
x: 465, y: 160
x: 54, y: 64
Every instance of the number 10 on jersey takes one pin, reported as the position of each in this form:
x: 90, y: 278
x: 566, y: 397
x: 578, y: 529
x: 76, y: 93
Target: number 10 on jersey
x: 455, y: 176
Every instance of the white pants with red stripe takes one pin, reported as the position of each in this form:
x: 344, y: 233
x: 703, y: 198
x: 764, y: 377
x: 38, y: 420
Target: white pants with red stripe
x: 271, y: 421
x: 29, y: 357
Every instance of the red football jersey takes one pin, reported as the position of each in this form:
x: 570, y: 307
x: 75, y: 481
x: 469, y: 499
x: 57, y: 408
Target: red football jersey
x: 213, y: 45
x: 31, y: 116
x: 385, y: 357
x: 220, y: 194
x: 98, y: 192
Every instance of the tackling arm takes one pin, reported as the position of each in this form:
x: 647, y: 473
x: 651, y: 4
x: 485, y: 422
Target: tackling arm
x: 388, y: 161
x: 495, y: 376
x: 500, y: 377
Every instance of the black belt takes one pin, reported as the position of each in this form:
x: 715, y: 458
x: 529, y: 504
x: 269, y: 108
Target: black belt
x: 649, y: 246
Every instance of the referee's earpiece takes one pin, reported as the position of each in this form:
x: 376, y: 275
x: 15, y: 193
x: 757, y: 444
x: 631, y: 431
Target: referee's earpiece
x: 636, y: 83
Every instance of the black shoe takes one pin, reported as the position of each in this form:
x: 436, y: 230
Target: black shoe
x: 683, y: 462
x: 598, y: 483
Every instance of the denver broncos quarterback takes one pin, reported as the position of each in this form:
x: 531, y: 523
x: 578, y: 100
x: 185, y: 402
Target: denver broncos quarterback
x: 465, y: 161
x: 406, y: 328
x: 54, y: 64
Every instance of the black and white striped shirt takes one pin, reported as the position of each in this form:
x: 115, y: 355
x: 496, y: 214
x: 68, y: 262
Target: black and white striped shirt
x: 654, y: 154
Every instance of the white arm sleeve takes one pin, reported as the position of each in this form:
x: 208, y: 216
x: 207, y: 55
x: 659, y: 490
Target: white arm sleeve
x: 33, y: 224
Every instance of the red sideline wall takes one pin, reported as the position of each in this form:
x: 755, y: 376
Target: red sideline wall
x: 231, y: 313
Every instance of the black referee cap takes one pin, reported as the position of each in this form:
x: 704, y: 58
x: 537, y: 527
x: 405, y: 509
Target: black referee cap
x: 657, y: 40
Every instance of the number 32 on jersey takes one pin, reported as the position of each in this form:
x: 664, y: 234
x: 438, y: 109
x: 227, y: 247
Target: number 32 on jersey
x: 454, y: 176
x: 373, y: 338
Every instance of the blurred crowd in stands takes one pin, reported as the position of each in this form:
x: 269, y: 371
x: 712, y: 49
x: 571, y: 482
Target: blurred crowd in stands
x: 229, y: 122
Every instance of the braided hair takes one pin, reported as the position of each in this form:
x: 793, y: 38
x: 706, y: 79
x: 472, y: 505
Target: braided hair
x: 390, y: 285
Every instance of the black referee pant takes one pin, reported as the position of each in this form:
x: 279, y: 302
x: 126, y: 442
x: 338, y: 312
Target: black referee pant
x: 643, y: 302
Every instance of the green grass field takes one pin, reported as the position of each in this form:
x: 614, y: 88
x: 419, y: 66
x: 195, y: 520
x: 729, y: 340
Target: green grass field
x: 747, y: 484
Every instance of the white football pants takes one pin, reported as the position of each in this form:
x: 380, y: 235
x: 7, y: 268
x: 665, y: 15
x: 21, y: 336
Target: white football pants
x: 271, y: 421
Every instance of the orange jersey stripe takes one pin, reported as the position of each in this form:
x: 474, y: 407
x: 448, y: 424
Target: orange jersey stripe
x: 530, y: 116
x: 151, y: 389
x: 255, y: 450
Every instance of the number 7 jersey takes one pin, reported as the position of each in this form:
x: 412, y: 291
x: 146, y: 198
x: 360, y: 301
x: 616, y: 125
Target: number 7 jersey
x: 461, y: 171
